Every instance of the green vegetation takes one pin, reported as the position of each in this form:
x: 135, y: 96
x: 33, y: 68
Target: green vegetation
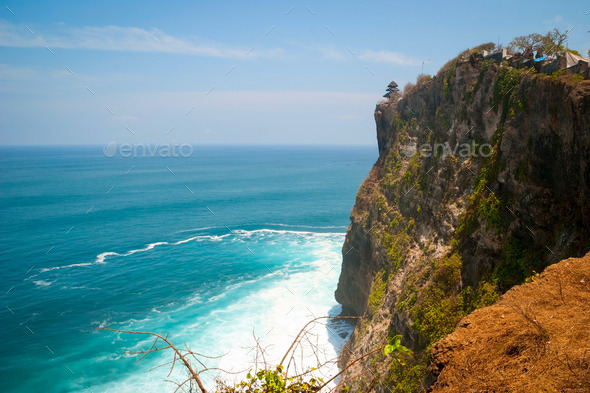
x: 484, y: 206
x: 519, y: 261
x: 408, y: 300
x: 274, y: 381
x: 489, y: 211
x: 423, y: 79
x: 410, y: 177
x: 550, y: 43
x: 486, y: 294
x: 395, y: 345
x: 576, y: 78
x: 448, y: 81
x: 377, y: 292
x: 405, y: 373
x: 405, y: 378
x: 391, y: 171
x: 506, y: 90
x: 397, y: 239
x: 488, y: 46
x: 482, y: 71
x: 438, y: 308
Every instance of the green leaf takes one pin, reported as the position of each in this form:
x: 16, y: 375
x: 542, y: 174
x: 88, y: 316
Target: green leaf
x: 388, y: 349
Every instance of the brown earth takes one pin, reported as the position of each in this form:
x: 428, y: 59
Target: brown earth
x: 535, y: 339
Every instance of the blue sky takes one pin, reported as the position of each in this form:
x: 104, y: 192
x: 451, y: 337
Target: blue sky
x: 276, y: 72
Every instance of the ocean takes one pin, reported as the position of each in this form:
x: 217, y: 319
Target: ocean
x: 212, y: 249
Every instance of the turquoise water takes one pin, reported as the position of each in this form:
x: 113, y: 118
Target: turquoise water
x: 208, y: 249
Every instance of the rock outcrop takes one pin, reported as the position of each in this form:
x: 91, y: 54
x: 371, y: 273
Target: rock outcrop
x: 482, y: 180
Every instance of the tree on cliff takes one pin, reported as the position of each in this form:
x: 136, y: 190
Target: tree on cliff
x: 527, y: 42
x: 550, y: 43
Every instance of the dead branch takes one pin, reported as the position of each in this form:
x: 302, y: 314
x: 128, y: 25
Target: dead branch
x: 319, y: 366
x: 187, y: 364
x: 305, y: 327
x: 181, y: 384
x: 351, y: 364
x: 372, y: 384
x: 261, y: 349
x: 303, y: 339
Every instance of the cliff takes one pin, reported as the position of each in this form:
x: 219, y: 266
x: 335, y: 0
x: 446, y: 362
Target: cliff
x: 482, y: 180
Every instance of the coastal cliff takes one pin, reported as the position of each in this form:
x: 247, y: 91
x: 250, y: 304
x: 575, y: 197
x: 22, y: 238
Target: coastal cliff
x: 482, y: 181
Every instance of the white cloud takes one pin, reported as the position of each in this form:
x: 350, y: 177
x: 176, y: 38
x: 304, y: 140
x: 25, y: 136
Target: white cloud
x: 388, y: 57
x: 127, y: 117
x: 8, y: 72
x: 342, y: 53
x: 331, y: 53
x: 37, y: 74
x: 116, y: 38
x: 328, y: 52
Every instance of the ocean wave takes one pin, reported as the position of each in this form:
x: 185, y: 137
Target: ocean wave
x: 199, y: 229
x: 49, y: 269
x: 268, y: 224
x: 101, y: 258
x: 43, y: 283
x: 249, y: 233
x: 307, y: 226
x: 83, y: 287
x: 239, y: 234
x: 220, y: 320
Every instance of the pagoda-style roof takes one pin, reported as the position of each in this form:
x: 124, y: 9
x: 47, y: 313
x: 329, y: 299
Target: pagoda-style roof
x: 392, y: 84
x: 387, y: 95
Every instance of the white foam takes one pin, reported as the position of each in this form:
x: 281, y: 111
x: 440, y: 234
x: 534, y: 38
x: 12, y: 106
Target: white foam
x: 240, y: 234
x: 65, y: 267
x: 43, y: 283
x: 307, y: 226
x: 275, y: 307
x: 284, y: 231
x: 101, y: 257
x: 270, y: 224
x: 198, y: 229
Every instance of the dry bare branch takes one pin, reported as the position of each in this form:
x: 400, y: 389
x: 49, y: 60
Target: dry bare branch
x: 305, y: 327
x: 351, y: 364
x: 186, y: 363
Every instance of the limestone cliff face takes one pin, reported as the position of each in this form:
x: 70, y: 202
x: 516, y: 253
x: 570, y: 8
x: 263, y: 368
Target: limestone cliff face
x: 483, y: 177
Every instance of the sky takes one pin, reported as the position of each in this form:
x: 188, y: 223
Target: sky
x: 205, y: 72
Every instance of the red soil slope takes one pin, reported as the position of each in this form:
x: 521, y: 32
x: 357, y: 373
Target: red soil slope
x: 535, y: 339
